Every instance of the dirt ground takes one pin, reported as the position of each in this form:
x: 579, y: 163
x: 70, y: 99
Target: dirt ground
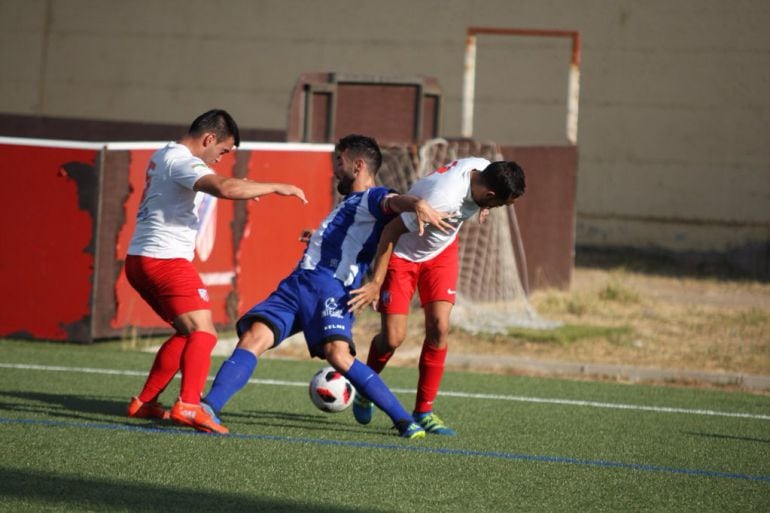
x: 662, y: 320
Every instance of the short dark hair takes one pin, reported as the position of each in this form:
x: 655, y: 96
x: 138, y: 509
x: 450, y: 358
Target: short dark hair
x: 505, y: 179
x: 217, y: 121
x: 361, y: 146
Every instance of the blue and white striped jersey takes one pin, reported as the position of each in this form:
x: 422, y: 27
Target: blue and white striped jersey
x: 346, y: 241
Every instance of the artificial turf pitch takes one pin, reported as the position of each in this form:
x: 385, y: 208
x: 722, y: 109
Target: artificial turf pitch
x: 524, y: 444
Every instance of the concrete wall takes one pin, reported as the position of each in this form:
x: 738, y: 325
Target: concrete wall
x: 674, y: 152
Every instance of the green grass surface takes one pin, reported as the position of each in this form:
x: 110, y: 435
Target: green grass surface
x: 568, y: 333
x: 524, y: 444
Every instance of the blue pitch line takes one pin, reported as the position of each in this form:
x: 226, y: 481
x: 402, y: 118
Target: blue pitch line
x: 426, y: 450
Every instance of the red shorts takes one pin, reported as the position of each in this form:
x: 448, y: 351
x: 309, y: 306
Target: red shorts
x: 171, y: 286
x: 436, y: 279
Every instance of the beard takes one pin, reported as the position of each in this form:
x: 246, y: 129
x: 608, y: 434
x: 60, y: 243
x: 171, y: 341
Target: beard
x: 344, y: 186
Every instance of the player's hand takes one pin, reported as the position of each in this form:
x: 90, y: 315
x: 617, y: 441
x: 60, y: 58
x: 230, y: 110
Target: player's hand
x: 483, y: 214
x: 364, y: 296
x: 427, y: 214
x: 286, y: 189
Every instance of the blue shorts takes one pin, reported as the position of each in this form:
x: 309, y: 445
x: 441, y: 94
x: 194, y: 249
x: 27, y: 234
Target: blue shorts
x: 313, y: 302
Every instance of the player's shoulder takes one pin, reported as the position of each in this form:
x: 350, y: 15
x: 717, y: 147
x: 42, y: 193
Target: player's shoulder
x: 378, y: 193
x: 469, y: 163
x: 181, y: 160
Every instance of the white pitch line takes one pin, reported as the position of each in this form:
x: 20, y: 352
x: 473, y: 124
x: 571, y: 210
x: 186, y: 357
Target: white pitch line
x: 493, y: 397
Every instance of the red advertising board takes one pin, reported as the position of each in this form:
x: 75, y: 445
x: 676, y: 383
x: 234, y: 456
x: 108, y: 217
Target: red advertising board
x: 71, y: 210
x: 46, y: 264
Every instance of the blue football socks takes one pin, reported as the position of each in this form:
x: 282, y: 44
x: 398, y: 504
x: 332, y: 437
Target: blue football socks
x: 232, y: 376
x: 368, y: 383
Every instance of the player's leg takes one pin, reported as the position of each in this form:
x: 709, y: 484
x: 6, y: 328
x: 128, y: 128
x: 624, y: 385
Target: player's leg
x: 437, y: 282
x: 368, y: 382
x: 395, y: 298
x: 431, y: 366
x: 164, y: 367
x: 195, y: 363
x: 148, y: 276
x: 179, y: 296
x: 328, y: 333
x: 384, y: 344
x: 236, y: 371
x: 261, y: 328
x: 381, y: 349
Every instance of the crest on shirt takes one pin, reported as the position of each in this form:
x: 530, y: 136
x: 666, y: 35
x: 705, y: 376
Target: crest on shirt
x: 332, y: 309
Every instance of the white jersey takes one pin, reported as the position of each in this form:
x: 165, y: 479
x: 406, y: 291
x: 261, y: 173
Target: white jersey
x: 448, y: 189
x: 167, y: 221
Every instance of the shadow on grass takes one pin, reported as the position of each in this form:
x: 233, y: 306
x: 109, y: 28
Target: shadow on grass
x: 95, y: 408
x: 303, y: 421
x: 64, y: 405
x: 70, y: 493
x: 729, y: 437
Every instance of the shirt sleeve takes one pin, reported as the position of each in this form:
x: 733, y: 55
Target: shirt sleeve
x: 443, y: 191
x: 376, y: 197
x: 187, y: 171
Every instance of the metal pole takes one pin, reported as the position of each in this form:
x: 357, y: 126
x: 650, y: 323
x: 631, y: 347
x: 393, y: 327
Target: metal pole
x: 469, y: 84
x: 573, y: 85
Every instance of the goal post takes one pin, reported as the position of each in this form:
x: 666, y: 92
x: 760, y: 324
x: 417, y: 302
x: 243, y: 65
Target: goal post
x: 469, y: 74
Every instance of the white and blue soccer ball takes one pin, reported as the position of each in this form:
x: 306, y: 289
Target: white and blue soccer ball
x: 330, y: 391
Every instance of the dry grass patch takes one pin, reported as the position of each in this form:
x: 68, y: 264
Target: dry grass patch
x: 626, y: 317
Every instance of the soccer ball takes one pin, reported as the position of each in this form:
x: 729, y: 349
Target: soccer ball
x: 330, y: 391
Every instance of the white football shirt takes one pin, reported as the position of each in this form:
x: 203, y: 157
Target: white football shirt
x: 167, y: 221
x: 447, y: 189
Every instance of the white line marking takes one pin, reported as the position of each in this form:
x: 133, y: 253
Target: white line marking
x: 493, y: 397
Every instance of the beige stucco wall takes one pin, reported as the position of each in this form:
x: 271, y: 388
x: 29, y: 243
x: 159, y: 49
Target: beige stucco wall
x: 674, y: 129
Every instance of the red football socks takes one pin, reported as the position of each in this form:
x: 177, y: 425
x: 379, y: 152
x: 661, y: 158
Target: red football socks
x: 164, y: 367
x: 195, y: 364
x: 375, y: 360
x: 431, y: 371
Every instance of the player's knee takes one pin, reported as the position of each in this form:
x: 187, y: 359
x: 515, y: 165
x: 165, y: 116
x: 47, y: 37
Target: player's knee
x: 337, y: 353
x: 392, y: 338
x: 198, y: 320
x: 437, y: 331
x: 257, y: 339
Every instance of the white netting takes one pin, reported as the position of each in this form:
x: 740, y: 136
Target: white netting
x: 490, y: 294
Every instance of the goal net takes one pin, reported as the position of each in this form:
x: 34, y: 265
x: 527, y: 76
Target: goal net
x: 491, y: 297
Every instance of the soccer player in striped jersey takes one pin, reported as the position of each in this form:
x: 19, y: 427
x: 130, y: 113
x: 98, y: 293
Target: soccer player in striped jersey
x: 429, y: 262
x: 314, y: 298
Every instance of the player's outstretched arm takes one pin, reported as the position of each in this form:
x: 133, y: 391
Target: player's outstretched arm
x: 370, y: 292
x: 425, y: 213
x: 243, y: 188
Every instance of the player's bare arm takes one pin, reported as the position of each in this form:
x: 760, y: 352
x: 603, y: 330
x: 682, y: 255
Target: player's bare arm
x: 370, y: 292
x: 243, y: 188
x: 425, y: 213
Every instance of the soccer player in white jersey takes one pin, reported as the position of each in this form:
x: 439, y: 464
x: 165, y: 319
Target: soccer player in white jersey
x: 313, y: 299
x: 429, y: 263
x: 159, y: 261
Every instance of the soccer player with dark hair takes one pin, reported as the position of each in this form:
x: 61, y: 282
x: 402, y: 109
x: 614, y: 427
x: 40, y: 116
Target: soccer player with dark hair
x: 429, y: 263
x: 313, y: 299
x: 159, y: 261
